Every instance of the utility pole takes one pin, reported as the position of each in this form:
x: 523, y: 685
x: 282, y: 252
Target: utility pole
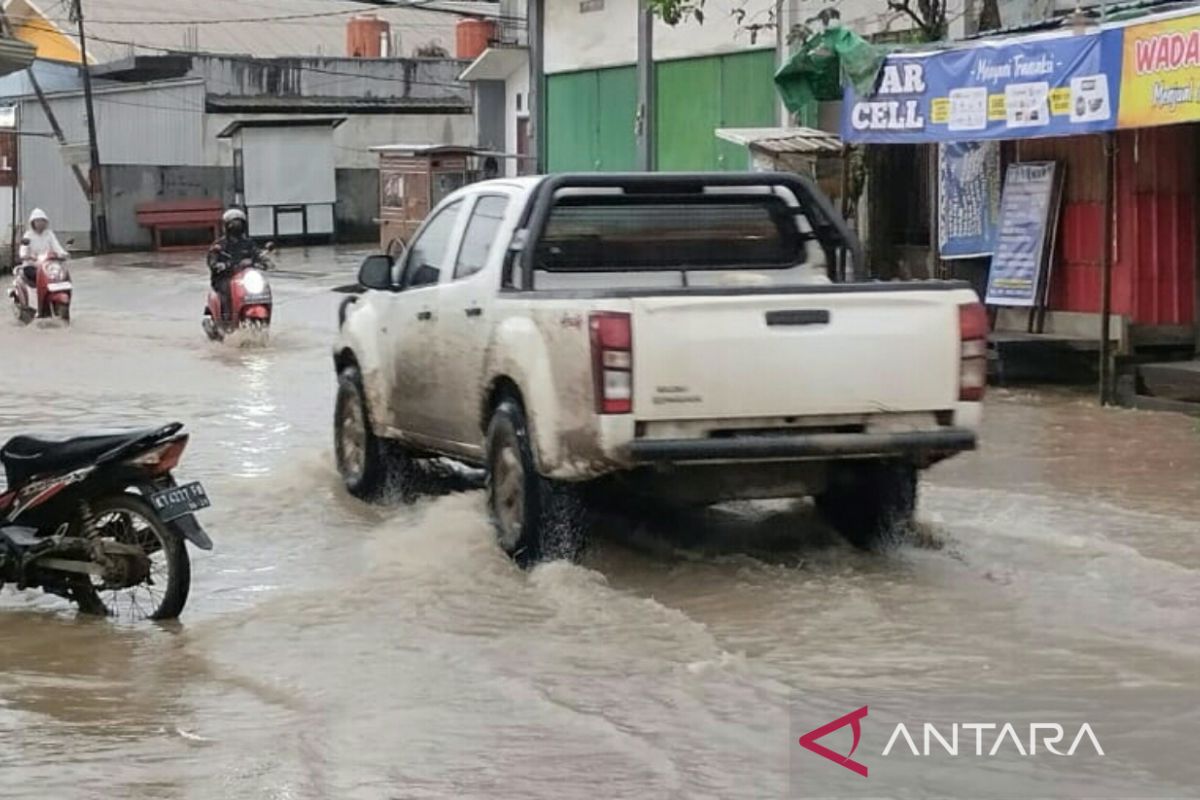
x: 781, y: 56
x: 535, y: 15
x: 647, y: 89
x: 96, y: 195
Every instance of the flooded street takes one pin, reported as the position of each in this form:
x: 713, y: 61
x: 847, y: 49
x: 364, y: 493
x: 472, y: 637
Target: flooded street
x: 336, y: 650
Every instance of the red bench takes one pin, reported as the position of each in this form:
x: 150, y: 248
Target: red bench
x: 175, y: 215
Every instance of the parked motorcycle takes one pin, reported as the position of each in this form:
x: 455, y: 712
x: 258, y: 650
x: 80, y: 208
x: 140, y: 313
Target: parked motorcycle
x: 100, y: 521
x: 249, y: 300
x: 41, y: 289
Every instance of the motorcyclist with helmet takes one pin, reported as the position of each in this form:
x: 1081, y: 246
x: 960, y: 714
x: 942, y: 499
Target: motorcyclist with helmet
x: 39, y: 241
x: 228, y: 252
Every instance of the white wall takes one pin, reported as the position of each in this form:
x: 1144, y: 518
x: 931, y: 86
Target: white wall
x: 516, y: 85
x: 354, y: 138
x: 608, y: 37
x: 151, y: 125
x: 864, y: 17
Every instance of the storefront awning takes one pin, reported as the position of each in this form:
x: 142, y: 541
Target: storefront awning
x: 777, y: 141
x: 496, y: 64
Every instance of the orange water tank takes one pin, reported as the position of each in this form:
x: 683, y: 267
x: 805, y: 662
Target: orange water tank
x: 472, y: 37
x: 366, y: 35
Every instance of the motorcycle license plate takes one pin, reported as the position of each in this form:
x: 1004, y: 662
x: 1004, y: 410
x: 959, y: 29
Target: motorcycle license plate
x: 171, y: 504
x: 59, y: 287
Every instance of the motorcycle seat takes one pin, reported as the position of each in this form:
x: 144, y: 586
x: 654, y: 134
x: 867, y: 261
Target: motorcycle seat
x: 26, y: 456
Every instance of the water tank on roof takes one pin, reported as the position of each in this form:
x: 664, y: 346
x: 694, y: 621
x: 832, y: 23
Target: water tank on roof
x: 472, y: 37
x: 367, y: 36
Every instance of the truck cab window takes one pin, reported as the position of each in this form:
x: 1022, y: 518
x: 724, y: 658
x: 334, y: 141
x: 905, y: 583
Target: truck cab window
x: 480, y: 236
x: 428, y: 251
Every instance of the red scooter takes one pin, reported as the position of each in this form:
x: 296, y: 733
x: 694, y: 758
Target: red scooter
x: 41, y: 290
x: 249, y: 301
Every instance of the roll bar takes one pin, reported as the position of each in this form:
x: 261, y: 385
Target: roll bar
x: 828, y: 225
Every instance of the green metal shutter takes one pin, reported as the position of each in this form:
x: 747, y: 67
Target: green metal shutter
x: 698, y: 95
x: 571, y: 122
x: 747, y: 101
x: 689, y: 109
x: 616, y: 140
x: 589, y: 120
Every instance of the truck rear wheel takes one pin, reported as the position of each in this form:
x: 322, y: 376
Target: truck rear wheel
x: 370, y: 466
x: 535, y: 519
x: 871, y: 503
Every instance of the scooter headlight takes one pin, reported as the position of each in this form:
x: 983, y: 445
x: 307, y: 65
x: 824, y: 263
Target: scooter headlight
x: 253, y: 282
x: 54, y: 272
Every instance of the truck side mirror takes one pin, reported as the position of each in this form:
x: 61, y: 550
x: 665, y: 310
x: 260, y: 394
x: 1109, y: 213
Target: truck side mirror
x: 376, y: 272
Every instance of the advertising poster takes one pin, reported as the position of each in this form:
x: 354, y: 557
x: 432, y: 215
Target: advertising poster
x: 1026, y: 210
x: 1160, y: 73
x: 1040, y: 87
x: 968, y: 198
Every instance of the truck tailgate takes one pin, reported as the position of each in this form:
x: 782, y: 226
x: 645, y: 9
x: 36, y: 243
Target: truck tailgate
x: 779, y: 355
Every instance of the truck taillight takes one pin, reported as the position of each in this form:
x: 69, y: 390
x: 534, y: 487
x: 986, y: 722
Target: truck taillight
x: 973, y: 332
x: 612, y: 361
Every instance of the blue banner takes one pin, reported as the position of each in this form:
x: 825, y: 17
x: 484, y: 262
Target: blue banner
x: 968, y: 198
x: 1053, y: 86
x: 1026, y: 213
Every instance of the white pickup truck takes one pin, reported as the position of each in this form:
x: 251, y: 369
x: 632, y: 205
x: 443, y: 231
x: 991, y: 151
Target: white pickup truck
x: 682, y: 338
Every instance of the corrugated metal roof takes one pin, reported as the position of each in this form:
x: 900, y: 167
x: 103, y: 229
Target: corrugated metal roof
x: 117, y: 29
x: 15, y: 55
x: 783, y: 140
x: 427, y: 149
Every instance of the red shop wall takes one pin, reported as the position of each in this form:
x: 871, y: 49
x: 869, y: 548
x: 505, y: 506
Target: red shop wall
x: 1155, y: 266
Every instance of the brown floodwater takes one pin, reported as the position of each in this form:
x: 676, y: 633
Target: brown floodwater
x: 335, y: 650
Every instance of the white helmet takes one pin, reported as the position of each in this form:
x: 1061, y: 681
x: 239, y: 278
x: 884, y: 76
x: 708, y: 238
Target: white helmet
x: 233, y: 214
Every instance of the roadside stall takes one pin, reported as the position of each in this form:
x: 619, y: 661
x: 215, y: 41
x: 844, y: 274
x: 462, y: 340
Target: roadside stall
x: 413, y: 178
x: 1046, y: 164
x: 284, y: 176
x: 805, y: 151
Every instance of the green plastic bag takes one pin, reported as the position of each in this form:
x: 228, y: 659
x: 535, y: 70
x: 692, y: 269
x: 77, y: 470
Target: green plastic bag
x: 816, y: 71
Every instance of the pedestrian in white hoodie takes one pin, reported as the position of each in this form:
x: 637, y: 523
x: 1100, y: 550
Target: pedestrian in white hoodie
x: 39, y: 239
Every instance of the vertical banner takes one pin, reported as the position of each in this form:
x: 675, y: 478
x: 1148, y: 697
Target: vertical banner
x: 968, y: 198
x: 1160, y: 73
x: 1026, y: 212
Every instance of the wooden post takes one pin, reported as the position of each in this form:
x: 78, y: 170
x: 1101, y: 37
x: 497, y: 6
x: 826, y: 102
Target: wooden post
x: 844, y: 256
x: 1106, y: 265
x: 935, y: 233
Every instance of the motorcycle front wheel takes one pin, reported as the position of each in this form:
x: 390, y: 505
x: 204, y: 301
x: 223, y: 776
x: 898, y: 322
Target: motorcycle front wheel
x: 162, y: 594
x: 22, y: 314
x: 61, y: 312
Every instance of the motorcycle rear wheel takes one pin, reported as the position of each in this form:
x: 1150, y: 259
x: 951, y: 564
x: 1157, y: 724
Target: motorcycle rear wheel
x: 129, y: 519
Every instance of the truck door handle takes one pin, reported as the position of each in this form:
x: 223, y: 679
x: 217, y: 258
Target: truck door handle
x: 802, y: 316
x: 474, y: 311
x: 424, y: 315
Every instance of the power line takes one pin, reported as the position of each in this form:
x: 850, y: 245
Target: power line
x: 263, y: 61
x: 292, y: 17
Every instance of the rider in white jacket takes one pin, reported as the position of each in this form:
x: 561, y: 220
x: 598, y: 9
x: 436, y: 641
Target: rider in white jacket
x: 39, y: 239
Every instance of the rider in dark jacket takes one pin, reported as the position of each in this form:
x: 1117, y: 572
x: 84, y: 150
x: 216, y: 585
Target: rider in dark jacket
x: 228, y: 252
